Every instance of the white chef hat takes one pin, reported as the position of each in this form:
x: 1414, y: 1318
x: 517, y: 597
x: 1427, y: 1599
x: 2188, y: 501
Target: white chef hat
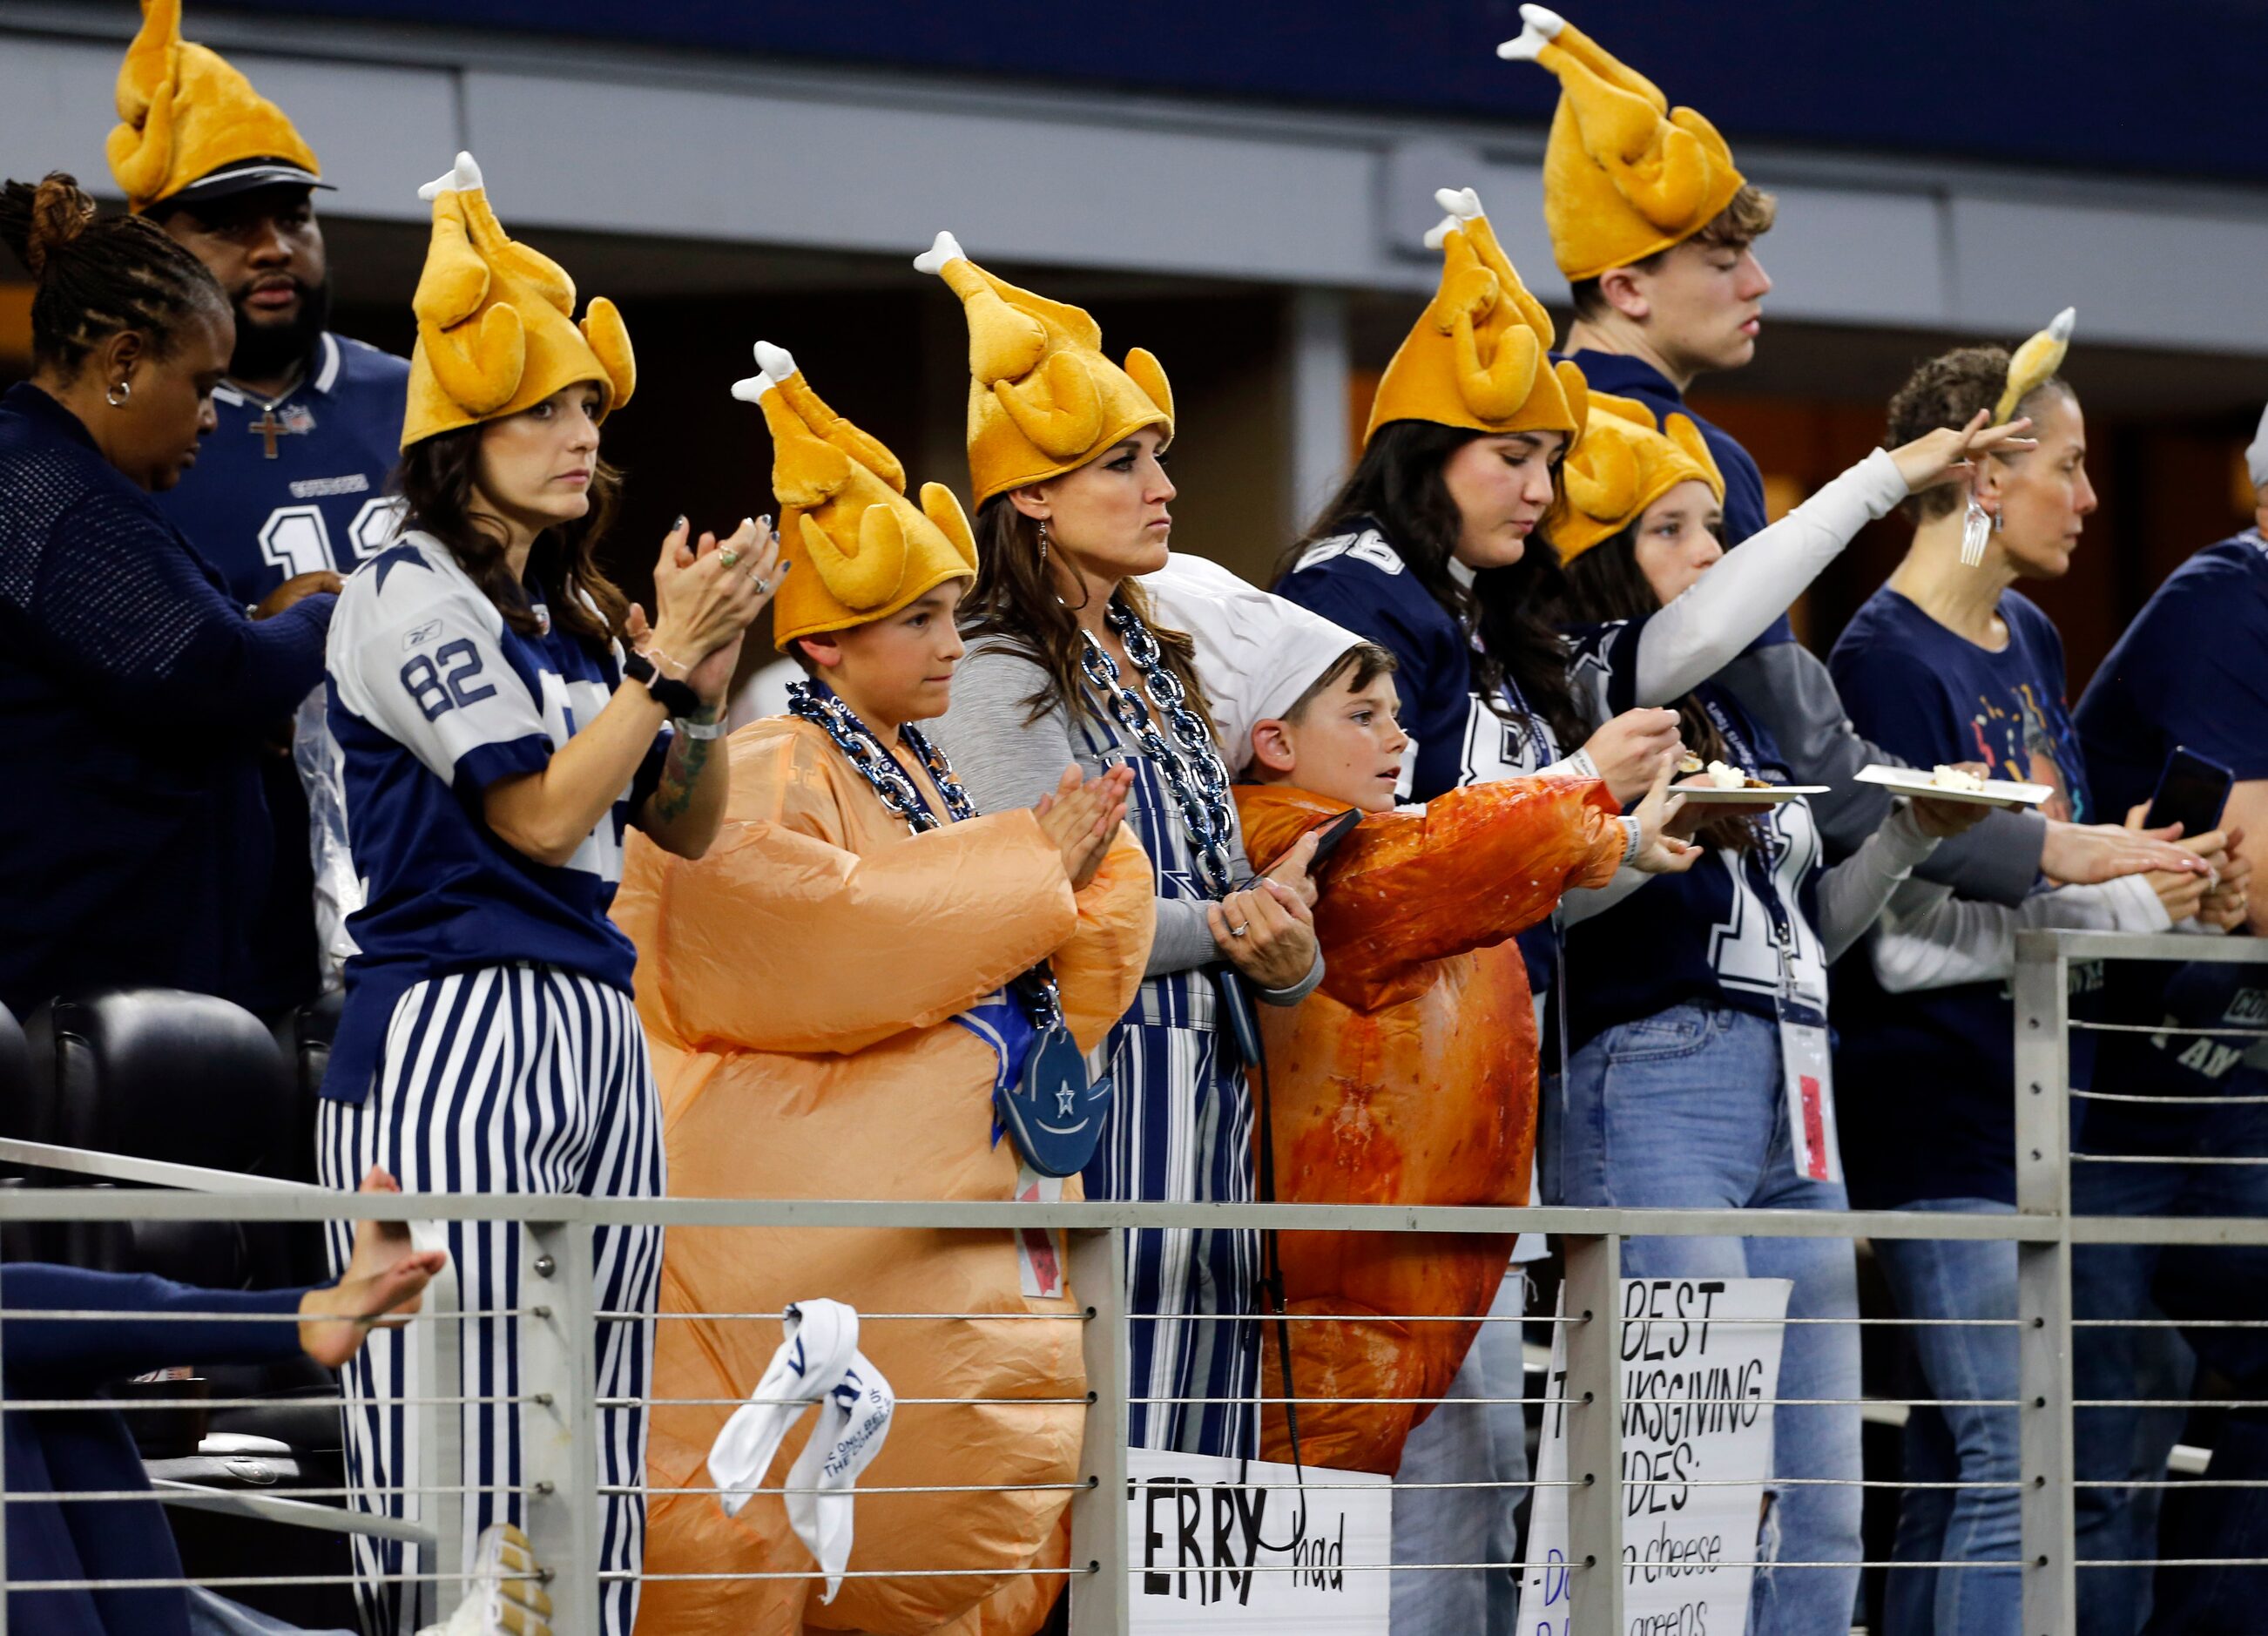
x: 2255, y: 457
x: 1255, y: 652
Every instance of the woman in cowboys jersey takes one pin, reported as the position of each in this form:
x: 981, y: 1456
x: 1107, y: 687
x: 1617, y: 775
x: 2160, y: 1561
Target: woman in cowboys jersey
x: 497, y: 742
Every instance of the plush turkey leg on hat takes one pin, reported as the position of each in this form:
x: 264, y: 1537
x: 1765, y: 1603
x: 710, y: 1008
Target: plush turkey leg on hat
x: 1042, y: 398
x: 843, y: 512
x: 1625, y: 175
x: 495, y: 326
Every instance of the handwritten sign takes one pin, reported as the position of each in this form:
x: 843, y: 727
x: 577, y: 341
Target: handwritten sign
x: 1197, y: 1527
x: 1700, y: 1366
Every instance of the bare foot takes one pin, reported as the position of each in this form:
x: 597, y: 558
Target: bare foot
x: 384, y: 1279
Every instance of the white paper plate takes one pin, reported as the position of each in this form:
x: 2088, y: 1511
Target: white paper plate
x: 1770, y: 795
x: 1996, y: 792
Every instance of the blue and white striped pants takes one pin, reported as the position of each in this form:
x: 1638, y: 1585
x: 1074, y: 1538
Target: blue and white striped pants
x: 1180, y: 1131
x: 515, y: 1079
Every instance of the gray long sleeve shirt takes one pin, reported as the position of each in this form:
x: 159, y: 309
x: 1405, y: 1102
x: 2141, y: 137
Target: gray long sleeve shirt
x: 1004, y: 760
x: 1786, y: 688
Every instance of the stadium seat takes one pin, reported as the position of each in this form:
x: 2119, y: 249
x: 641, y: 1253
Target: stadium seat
x: 15, y: 1071
x: 20, y: 1240
x: 304, y: 1039
x: 158, y: 1073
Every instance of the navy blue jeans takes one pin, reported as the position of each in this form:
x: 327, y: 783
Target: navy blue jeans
x: 2126, y: 1444
x: 1973, y: 1439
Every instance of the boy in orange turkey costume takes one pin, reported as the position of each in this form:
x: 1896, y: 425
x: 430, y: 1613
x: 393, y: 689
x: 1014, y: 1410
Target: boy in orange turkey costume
x: 1409, y: 1075
x: 802, y: 985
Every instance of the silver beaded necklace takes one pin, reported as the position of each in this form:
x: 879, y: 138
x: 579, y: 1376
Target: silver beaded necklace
x: 1191, y: 766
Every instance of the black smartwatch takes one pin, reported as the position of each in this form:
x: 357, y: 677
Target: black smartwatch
x: 674, y: 697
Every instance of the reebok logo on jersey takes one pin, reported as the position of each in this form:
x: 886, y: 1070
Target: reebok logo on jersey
x: 422, y: 635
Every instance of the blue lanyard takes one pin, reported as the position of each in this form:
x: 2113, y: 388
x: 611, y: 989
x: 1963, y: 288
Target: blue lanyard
x: 1539, y: 747
x: 1766, y: 877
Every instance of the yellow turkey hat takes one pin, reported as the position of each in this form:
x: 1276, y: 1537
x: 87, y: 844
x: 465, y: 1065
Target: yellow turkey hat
x: 495, y: 326
x: 1624, y: 174
x: 1481, y: 355
x: 1043, y: 399
x: 2035, y: 362
x: 1624, y: 463
x: 189, y: 118
x: 860, y: 549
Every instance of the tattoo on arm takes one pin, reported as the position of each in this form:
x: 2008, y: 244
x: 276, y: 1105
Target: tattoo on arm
x: 681, y: 772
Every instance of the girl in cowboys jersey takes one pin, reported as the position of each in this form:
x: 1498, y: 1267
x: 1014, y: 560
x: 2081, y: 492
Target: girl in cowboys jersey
x: 1700, y: 1074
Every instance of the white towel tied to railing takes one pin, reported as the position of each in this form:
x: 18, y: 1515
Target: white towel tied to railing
x: 819, y: 1362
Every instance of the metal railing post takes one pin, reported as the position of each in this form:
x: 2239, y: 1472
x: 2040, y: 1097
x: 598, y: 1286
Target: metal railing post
x: 1101, y: 1596
x: 1592, y: 1309
x: 559, y: 1426
x: 4, y: 1509
x: 434, y: 1359
x: 2043, y: 1286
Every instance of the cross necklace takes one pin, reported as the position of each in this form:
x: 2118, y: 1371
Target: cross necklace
x: 268, y: 428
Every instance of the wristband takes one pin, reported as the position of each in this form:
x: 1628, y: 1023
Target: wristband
x: 673, y: 695
x: 1634, y: 838
x: 693, y: 729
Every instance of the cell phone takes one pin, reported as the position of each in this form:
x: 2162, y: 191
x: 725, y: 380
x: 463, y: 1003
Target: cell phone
x: 2192, y: 792
x: 1329, y: 837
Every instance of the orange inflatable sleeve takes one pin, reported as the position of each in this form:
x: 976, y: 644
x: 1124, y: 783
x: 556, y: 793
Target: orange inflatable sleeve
x: 1100, y: 970
x: 776, y: 936
x: 1477, y: 866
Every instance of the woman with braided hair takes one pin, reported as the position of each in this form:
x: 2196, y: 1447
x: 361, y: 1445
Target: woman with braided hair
x: 134, y: 693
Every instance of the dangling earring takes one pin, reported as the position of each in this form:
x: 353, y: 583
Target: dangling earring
x: 1086, y: 592
x: 119, y: 393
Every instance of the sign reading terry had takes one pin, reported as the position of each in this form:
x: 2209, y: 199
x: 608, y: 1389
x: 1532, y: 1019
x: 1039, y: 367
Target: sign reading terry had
x: 1700, y: 1366
x: 1229, y: 1545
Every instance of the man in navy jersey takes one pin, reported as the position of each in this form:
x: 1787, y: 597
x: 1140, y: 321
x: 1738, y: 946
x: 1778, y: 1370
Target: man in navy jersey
x: 1656, y: 308
x: 2191, y: 671
x: 290, y: 489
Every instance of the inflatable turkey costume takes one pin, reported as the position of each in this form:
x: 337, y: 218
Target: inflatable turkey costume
x: 799, y: 986
x: 1410, y: 1076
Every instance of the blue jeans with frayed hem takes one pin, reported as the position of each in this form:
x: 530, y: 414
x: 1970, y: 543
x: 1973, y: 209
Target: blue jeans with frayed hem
x: 1685, y: 1109
x: 1969, y: 1440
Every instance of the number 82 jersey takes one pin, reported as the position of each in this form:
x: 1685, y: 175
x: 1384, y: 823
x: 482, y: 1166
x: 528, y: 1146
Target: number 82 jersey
x: 433, y: 697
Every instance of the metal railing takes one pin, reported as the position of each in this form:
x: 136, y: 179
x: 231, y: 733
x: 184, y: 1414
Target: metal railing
x: 562, y: 1492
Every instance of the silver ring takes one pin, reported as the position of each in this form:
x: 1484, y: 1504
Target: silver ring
x: 763, y: 586
x: 1239, y: 931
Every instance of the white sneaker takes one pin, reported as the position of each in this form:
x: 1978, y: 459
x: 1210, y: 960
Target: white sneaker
x: 506, y: 1596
